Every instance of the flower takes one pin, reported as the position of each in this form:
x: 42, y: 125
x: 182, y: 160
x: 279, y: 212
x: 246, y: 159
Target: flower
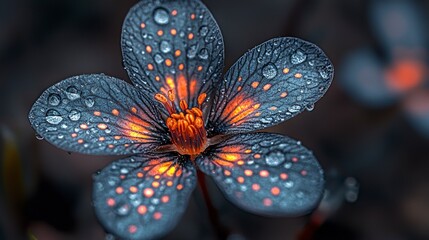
x: 180, y: 116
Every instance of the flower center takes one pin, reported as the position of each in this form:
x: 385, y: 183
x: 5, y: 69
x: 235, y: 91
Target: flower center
x: 187, y: 126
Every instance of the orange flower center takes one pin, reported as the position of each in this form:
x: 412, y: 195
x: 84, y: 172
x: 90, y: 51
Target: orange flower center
x: 186, y: 127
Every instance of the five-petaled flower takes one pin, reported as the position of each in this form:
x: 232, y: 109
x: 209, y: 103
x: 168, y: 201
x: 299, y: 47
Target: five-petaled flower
x: 181, y: 117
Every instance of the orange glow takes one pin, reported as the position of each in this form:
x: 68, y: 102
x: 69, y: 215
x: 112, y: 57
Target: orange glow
x: 181, y: 66
x: 142, y: 209
x: 298, y: 75
x: 264, y: 173
x: 155, y: 184
x: 248, y: 172
x: 166, y: 169
x: 240, y: 179
x: 275, y: 191
x: 239, y: 108
x: 157, y: 215
x: 170, y: 82
x: 283, y: 176
x: 174, y: 12
x: 97, y: 113
x: 135, y: 128
x: 256, y: 187
x: 168, y: 62
x: 190, y: 36
x: 267, y: 87
x: 133, y: 189
x: 405, y: 74
x: 150, y: 67
x: 177, y: 53
x: 267, y: 202
x: 148, y: 192
x: 165, y: 199
x: 285, y: 70
x: 173, y: 31
x: 193, y: 16
x: 119, y: 190
x: 182, y: 87
x: 160, y: 32
x: 148, y: 49
x: 111, y: 202
x: 255, y: 84
x: 142, y: 25
x: 227, y: 155
x: 115, y: 112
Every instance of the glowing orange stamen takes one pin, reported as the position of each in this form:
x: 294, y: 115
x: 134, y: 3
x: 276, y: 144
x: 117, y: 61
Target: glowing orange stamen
x: 187, y: 126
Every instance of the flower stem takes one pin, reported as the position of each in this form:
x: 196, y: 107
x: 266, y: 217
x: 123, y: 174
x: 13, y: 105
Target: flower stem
x: 221, y: 232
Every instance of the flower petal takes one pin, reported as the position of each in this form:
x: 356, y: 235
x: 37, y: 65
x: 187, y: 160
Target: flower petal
x: 172, y: 45
x: 363, y: 78
x: 269, y: 84
x: 398, y: 25
x: 266, y: 174
x: 97, y: 114
x: 143, y: 197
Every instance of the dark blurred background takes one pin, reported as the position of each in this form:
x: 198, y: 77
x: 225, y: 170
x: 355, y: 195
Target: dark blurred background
x: 370, y: 131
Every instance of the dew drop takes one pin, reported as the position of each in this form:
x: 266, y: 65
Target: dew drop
x: 289, y: 184
x: 160, y: 16
x: 54, y: 99
x: 165, y: 46
x: 269, y: 71
x: 309, y: 107
x: 158, y: 58
x: 266, y: 143
x: 39, y: 137
x: 72, y: 93
x: 275, y: 158
x: 53, y: 116
x: 294, y: 108
x: 89, y: 102
x: 298, y: 57
x: 74, y: 115
x: 94, y: 90
x: 203, y: 31
x: 324, y: 74
x: 123, y: 210
x: 192, y: 51
x: 204, y: 53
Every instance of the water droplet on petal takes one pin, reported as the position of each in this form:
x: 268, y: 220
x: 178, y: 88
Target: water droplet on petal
x: 123, y: 210
x: 203, y: 31
x: 158, y: 58
x: 275, y: 158
x: 309, y: 107
x: 89, y: 102
x: 39, y: 137
x: 192, y: 51
x: 160, y: 16
x: 165, y: 46
x: 269, y: 71
x: 72, y: 93
x: 323, y: 74
x: 74, y: 115
x: 204, y: 53
x: 294, y: 108
x: 53, y: 116
x: 298, y: 57
x: 54, y: 99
